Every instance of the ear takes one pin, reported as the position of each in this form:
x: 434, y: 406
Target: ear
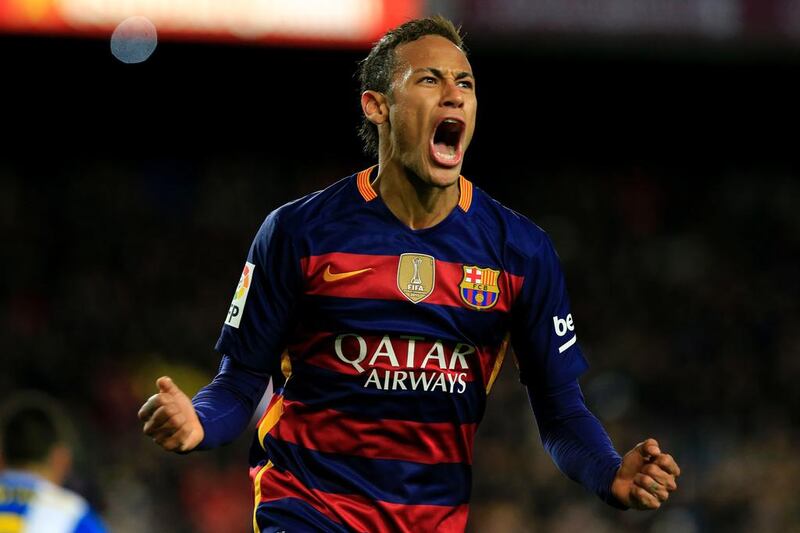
x: 60, y: 462
x: 375, y: 107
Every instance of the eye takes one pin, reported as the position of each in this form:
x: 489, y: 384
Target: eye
x: 430, y: 80
x: 465, y: 84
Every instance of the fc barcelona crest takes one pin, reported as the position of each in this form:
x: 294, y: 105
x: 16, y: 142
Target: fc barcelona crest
x: 479, y: 288
x: 416, y: 274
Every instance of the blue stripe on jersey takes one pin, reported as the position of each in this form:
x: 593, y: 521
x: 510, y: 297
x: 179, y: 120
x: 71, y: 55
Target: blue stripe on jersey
x: 314, y: 386
x: 18, y: 490
x: 329, y: 313
x: 493, y: 233
x: 12, y: 507
x: 452, y: 250
x: 387, y: 480
x: 293, y: 514
x: 386, y: 236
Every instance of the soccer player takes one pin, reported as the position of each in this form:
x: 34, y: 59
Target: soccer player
x: 35, y: 461
x: 382, y: 307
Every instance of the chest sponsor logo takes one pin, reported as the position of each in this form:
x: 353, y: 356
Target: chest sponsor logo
x: 479, y: 288
x: 240, y: 296
x: 407, y: 362
x: 416, y: 275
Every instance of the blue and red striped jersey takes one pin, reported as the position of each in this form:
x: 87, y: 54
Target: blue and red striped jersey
x: 390, y: 340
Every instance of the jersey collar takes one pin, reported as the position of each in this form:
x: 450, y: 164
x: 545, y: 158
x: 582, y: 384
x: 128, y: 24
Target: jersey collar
x: 369, y: 194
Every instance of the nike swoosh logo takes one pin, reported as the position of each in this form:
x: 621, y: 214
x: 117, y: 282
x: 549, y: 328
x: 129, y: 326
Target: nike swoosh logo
x: 330, y: 276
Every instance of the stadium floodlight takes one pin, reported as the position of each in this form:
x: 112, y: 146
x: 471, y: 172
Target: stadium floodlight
x: 300, y: 22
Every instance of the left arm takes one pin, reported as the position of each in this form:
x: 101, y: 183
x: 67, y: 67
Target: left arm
x: 550, y: 362
x: 575, y: 439
x: 581, y: 448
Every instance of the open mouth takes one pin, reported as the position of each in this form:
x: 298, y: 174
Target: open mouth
x: 446, y: 142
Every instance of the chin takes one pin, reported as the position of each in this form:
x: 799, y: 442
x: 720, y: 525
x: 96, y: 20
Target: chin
x: 428, y: 173
x: 443, y: 177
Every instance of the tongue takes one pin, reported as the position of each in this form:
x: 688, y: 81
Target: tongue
x: 447, y: 150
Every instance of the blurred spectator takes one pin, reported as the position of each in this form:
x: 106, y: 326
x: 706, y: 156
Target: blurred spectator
x: 36, y: 458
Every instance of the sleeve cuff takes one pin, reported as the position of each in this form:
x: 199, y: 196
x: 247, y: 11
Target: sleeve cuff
x: 605, y: 493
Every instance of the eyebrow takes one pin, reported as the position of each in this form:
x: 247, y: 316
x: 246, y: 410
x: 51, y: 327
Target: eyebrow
x: 438, y: 73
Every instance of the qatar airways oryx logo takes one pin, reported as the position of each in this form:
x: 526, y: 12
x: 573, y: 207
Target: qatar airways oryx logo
x: 562, y: 327
x: 407, y: 362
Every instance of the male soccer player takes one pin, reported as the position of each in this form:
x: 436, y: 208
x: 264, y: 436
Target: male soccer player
x: 387, y: 302
x: 35, y: 461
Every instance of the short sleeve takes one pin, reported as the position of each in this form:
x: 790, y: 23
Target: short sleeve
x: 543, y: 329
x: 260, y: 314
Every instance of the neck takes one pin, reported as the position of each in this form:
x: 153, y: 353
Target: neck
x: 38, y: 469
x: 415, y: 203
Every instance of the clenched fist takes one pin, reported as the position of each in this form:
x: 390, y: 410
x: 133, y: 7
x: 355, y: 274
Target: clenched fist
x: 169, y: 417
x: 646, y: 477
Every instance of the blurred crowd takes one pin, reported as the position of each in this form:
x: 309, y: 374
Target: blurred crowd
x: 684, y: 287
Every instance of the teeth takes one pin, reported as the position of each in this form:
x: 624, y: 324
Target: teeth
x: 450, y: 121
x: 444, y: 155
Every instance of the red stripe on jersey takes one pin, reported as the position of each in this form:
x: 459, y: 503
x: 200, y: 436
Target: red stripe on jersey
x: 363, y: 514
x: 276, y: 485
x: 332, y: 431
x: 375, y: 276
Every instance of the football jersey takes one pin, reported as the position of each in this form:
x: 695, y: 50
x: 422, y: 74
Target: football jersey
x: 30, y: 504
x: 389, y: 339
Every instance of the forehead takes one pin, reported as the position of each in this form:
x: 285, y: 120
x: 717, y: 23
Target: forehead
x: 432, y: 51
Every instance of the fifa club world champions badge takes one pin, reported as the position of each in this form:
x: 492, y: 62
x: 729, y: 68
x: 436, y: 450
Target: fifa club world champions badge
x: 416, y: 275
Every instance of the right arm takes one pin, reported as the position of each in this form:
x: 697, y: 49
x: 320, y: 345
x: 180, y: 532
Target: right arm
x: 252, y: 339
x: 226, y: 405
x: 216, y: 415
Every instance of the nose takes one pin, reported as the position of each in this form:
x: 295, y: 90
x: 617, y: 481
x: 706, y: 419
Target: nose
x: 451, y: 94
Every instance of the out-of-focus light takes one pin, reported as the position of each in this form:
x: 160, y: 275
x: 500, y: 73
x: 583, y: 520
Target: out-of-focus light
x: 309, y: 22
x: 134, y: 40
x: 317, y: 18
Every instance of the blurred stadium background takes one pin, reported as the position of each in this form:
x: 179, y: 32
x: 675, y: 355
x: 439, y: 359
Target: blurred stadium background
x: 655, y: 140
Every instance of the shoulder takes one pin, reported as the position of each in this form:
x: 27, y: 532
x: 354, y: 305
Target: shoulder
x: 56, y: 497
x: 521, y: 235
x: 54, y: 505
x: 290, y: 222
x: 317, y: 207
x: 90, y: 523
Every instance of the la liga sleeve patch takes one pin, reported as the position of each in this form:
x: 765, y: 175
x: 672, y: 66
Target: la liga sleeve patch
x: 240, y: 296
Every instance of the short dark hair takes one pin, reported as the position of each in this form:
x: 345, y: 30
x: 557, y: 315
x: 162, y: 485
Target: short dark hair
x: 30, y: 426
x: 375, y: 72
